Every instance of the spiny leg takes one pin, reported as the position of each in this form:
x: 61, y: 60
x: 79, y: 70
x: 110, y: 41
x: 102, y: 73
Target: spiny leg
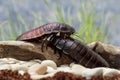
x: 55, y: 41
x: 42, y: 45
x: 43, y: 42
x: 60, y: 54
x: 52, y: 40
x: 48, y: 40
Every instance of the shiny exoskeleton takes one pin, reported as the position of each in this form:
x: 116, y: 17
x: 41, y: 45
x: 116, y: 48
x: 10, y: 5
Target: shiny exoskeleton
x: 47, y: 30
x: 78, y: 51
x: 42, y: 33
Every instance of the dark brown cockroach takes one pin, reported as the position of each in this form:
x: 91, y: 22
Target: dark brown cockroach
x: 78, y: 51
x: 45, y: 31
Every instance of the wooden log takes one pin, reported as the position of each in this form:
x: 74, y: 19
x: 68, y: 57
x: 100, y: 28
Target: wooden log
x: 27, y: 51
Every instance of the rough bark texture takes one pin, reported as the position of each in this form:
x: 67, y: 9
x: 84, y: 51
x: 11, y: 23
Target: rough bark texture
x: 26, y: 51
x: 109, y: 52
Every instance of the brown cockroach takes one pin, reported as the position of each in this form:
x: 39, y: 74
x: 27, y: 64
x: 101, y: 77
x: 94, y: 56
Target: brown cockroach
x: 45, y: 31
x: 78, y: 51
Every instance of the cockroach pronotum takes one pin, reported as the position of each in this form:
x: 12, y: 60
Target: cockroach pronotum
x: 45, y: 31
x: 78, y: 51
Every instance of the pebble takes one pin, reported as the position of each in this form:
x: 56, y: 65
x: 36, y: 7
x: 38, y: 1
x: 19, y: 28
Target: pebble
x: 28, y: 64
x: 18, y: 67
x: 110, y: 72
x: 77, y: 69
x: 37, y: 69
x: 5, y: 66
x: 65, y: 69
x: 8, y: 61
x: 88, y: 73
x: 50, y: 69
x: 21, y: 72
x: 49, y: 63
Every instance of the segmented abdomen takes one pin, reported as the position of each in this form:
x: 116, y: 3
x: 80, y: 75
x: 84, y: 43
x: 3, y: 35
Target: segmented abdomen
x: 80, y: 52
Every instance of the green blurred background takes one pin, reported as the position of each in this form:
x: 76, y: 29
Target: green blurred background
x: 94, y: 20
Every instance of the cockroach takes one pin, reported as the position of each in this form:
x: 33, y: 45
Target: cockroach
x: 42, y: 33
x: 46, y: 30
x: 78, y: 51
